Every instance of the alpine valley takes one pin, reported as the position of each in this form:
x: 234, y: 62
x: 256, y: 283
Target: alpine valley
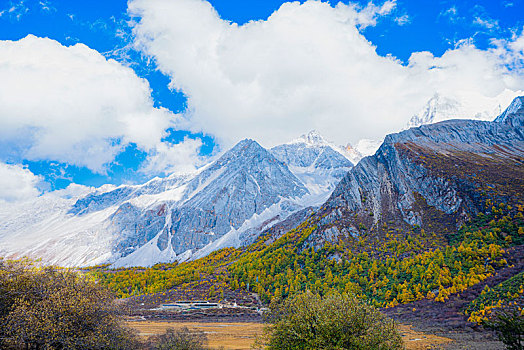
x: 430, y: 228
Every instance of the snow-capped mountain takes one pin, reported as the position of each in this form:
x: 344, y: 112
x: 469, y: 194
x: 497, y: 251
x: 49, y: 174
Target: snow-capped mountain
x: 514, y: 114
x: 226, y: 203
x: 434, y: 177
x: 311, y: 150
x: 440, y: 108
x: 318, y: 163
x: 246, y: 181
x: 250, y: 189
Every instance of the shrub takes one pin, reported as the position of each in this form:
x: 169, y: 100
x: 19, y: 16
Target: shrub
x: 180, y: 339
x: 509, y: 325
x: 336, y: 321
x: 54, y: 308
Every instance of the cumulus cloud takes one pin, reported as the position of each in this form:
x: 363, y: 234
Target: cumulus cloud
x: 169, y: 158
x: 71, y: 104
x: 308, y: 66
x: 17, y: 183
x: 72, y: 191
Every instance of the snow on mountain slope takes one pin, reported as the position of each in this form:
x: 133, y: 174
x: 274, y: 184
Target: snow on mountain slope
x: 352, y: 153
x: 246, y: 191
x: 43, y: 229
x: 79, y: 229
x: 155, y: 189
x: 243, y: 182
x: 311, y: 150
x: 229, y: 202
x: 366, y: 147
x: 316, y: 162
x: 440, y: 108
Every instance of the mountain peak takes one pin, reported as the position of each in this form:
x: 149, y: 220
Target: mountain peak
x: 244, y: 151
x: 516, y: 107
x: 437, y: 108
x: 247, y: 143
x: 246, y: 146
x: 352, y: 153
x: 514, y: 114
x: 312, y: 138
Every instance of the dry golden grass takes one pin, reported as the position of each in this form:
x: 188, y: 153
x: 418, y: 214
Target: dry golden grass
x: 240, y: 336
x: 420, y: 341
x: 227, y: 335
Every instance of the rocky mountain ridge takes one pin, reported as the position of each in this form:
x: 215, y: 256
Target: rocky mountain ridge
x: 433, y: 176
x: 226, y: 203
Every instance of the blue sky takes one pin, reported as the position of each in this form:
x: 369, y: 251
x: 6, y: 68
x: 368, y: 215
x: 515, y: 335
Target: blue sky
x: 393, y: 28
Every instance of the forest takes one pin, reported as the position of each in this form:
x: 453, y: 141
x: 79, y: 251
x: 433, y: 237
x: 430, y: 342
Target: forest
x: 407, y: 265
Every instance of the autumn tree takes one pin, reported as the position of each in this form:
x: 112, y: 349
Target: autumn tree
x: 54, y: 308
x: 337, y: 321
x: 509, y: 325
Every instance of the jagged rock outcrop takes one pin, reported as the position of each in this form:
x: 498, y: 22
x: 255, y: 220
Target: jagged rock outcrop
x: 513, y: 115
x: 433, y: 176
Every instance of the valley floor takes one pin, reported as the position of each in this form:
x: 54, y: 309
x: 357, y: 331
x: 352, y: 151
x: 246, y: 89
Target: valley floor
x: 424, y: 324
x: 241, y: 336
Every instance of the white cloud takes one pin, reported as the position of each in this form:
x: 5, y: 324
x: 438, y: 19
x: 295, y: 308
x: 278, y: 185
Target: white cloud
x: 306, y: 67
x: 72, y: 191
x: 451, y: 14
x: 486, y: 22
x: 367, y: 16
x: 16, y: 10
x: 177, y: 158
x: 17, y: 183
x: 71, y: 104
x: 46, y: 6
x: 402, y: 20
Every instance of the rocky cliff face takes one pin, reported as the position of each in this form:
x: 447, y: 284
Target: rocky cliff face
x: 434, y: 176
x: 244, y: 182
x: 513, y: 115
x: 230, y: 202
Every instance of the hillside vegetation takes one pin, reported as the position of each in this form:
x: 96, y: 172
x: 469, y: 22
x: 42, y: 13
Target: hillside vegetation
x: 404, y: 267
